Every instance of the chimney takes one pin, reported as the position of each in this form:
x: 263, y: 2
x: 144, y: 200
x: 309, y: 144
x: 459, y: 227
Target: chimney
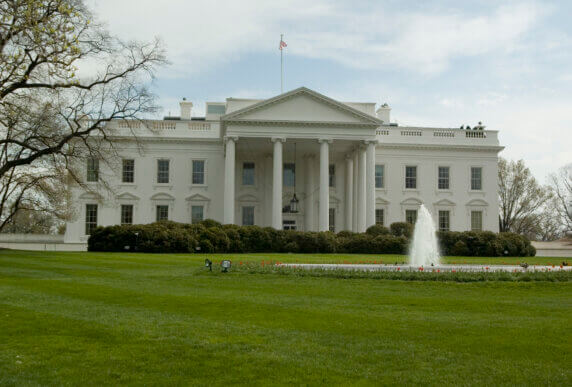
x: 186, y: 108
x: 383, y: 113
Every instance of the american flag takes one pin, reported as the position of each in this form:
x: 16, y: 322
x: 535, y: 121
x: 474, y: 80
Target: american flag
x: 282, y: 45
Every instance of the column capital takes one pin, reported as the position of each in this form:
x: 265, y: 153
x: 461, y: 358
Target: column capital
x: 230, y: 138
x: 276, y: 139
x: 325, y: 140
x: 349, y: 156
x: 374, y: 142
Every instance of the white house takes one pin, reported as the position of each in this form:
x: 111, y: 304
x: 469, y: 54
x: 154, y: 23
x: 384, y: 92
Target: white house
x: 345, y: 163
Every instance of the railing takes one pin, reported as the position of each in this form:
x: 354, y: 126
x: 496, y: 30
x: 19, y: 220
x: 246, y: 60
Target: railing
x: 475, y: 134
x: 199, y: 126
x: 129, y: 124
x: 382, y: 132
x: 162, y: 125
x: 444, y: 133
x: 411, y: 133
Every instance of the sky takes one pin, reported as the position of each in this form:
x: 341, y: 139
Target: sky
x: 436, y: 63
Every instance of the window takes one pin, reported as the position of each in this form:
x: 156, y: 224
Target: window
x: 197, y: 213
x: 248, y: 216
x: 443, y: 178
x: 162, y: 171
x: 332, y: 175
x: 127, y: 214
x: 162, y: 213
x: 288, y: 224
x: 411, y: 216
x: 92, y: 169
x: 443, y: 220
x: 248, y: 174
x: 476, y: 178
x: 198, y: 172
x: 332, y: 219
x: 90, y: 218
x: 379, y: 173
x: 476, y: 221
x: 410, y: 177
x: 128, y: 173
x: 289, y: 174
x: 379, y: 216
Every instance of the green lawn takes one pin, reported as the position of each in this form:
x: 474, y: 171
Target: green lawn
x: 95, y: 318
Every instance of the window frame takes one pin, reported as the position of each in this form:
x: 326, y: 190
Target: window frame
x: 122, y: 213
x: 157, y: 171
x: 124, y: 171
x: 448, y: 178
x: 202, y: 207
x: 90, y: 224
x: 475, y: 167
x: 382, y: 223
x: 415, y: 177
x: 92, y: 169
x: 415, y: 211
x: 157, y: 212
x: 382, y: 177
x: 441, y: 225
x: 332, y: 219
x: 253, y: 173
x: 243, y: 214
x: 332, y: 175
x: 473, y: 212
x: 202, y: 174
x: 284, y: 174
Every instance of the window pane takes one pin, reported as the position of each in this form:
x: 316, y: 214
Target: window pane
x: 476, y: 178
x: 196, y: 214
x: 90, y: 218
x: 411, y: 216
x: 443, y: 182
x: 92, y: 169
x: 476, y: 220
x: 162, y: 171
x: 162, y: 213
x: 248, y: 174
x: 411, y: 177
x: 379, y: 216
x: 126, y: 214
x: 379, y: 172
x: 332, y: 219
x: 443, y: 220
x: 198, y: 172
x: 248, y: 216
x: 289, y: 174
x: 332, y: 175
x: 128, y: 173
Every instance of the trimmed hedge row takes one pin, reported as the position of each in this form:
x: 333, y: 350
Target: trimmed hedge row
x: 210, y: 236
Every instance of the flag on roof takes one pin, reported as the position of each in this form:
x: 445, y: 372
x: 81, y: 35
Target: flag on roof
x: 282, y: 44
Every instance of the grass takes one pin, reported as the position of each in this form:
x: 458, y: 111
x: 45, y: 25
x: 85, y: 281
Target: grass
x: 96, y: 318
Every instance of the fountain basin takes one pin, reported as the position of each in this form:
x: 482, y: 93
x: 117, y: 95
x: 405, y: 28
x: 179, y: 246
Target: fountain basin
x: 431, y: 269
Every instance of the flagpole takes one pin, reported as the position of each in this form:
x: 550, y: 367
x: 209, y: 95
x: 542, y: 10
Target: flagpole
x: 281, y: 65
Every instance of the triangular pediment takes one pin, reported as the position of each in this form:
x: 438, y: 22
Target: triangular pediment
x: 381, y: 201
x: 444, y: 202
x: 302, y: 105
x: 197, y: 198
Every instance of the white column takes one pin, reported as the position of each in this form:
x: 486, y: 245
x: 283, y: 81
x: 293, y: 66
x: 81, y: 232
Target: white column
x: 361, y: 190
x: 370, y: 184
x: 277, y: 184
x: 229, y: 169
x: 355, y: 192
x: 349, y: 191
x: 310, y: 198
x: 324, y: 206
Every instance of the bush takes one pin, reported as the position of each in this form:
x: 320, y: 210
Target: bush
x: 402, y: 229
x: 211, y: 237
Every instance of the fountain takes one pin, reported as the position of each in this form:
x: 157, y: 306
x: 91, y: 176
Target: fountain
x: 424, y: 248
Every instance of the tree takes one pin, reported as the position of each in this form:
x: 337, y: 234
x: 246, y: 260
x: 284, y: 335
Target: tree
x: 50, y: 116
x: 561, y: 186
x: 520, y: 197
x: 33, y: 222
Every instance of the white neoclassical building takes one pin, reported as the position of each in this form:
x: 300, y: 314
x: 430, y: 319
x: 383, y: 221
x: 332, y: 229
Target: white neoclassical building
x: 300, y: 160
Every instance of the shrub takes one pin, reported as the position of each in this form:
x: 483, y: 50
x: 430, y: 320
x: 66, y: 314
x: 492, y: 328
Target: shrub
x: 377, y: 229
x: 402, y: 229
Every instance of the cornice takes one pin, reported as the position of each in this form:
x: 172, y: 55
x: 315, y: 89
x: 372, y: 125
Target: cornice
x: 480, y: 148
x: 335, y: 124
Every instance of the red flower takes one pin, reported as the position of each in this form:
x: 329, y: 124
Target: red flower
x: 398, y: 268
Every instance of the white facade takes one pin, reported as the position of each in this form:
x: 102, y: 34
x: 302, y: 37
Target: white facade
x: 352, y: 168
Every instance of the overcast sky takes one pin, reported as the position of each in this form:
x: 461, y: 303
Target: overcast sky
x: 438, y: 63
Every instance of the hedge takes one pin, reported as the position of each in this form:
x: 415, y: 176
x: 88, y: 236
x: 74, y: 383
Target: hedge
x: 210, y: 236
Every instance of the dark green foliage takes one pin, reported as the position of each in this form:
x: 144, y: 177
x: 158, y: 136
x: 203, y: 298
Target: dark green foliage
x: 377, y: 229
x: 402, y: 229
x: 210, y: 236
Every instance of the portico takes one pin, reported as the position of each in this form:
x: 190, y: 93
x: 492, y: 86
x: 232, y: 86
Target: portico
x: 332, y: 159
